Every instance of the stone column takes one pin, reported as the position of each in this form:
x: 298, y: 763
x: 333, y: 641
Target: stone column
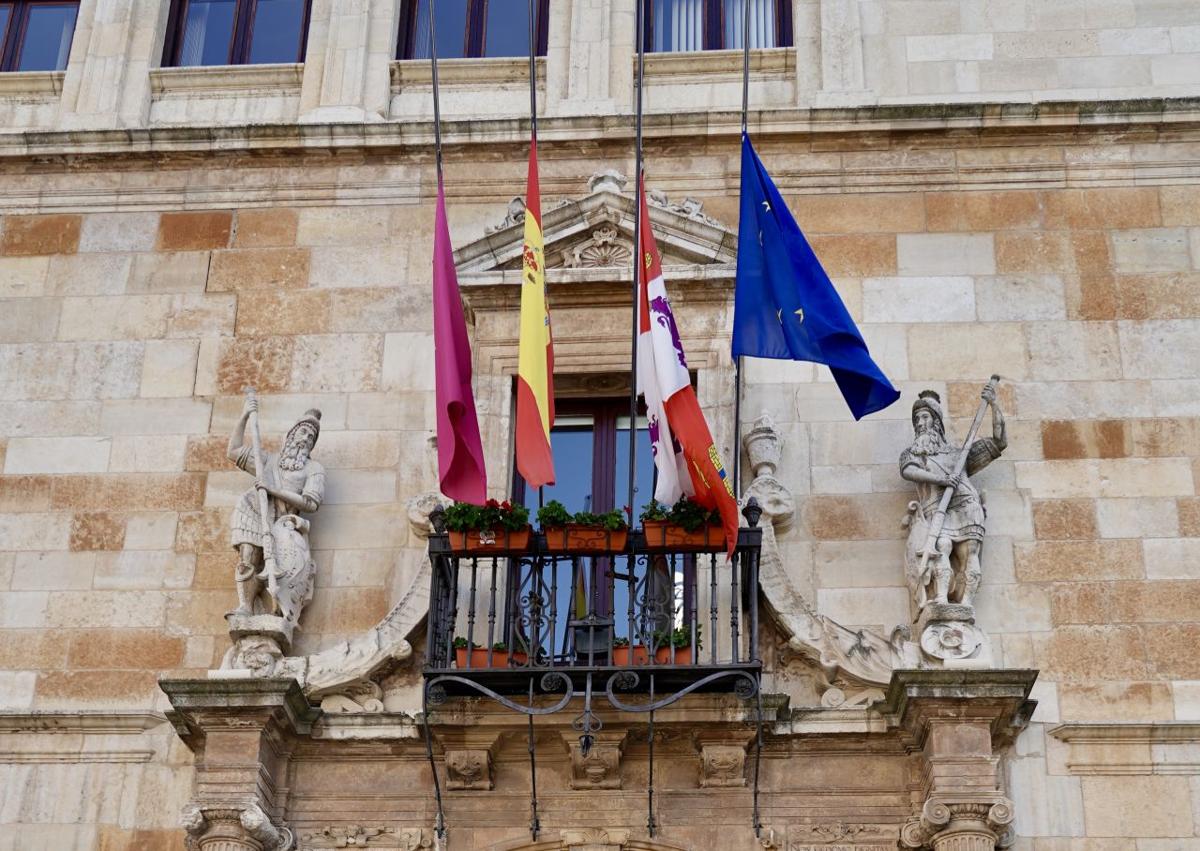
x: 240, y: 731
x: 958, y: 723
x: 589, y: 62
x: 351, y: 44
x: 107, y: 82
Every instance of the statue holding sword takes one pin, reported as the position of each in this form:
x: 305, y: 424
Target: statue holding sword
x: 946, y: 520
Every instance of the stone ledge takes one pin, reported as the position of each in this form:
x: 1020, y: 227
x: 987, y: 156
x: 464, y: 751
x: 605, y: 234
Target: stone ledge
x: 1152, y: 747
x: 404, y: 73
x: 997, y: 696
x: 275, y: 79
x: 80, y: 721
x: 716, y: 66
x: 17, y: 84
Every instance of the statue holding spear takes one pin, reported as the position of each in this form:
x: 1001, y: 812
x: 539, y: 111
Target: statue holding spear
x: 946, y: 521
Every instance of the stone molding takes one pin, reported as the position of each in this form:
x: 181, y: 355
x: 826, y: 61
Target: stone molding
x: 467, y: 72
x: 357, y: 835
x: 707, y: 67
x: 235, y: 80
x: 80, y: 737
x: 32, y: 84
x: 1153, y: 747
x: 96, y: 722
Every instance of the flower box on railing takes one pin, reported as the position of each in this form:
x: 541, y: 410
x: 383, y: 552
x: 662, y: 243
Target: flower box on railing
x: 638, y: 654
x: 662, y: 535
x: 582, y: 540
x: 490, y: 541
x: 479, y: 658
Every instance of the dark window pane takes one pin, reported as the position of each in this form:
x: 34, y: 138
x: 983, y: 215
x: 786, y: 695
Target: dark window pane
x: 451, y: 30
x: 277, y: 27
x: 762, y: 23
x: 571, y: 443
x: 207, y: 31
x: 678, y: 25
x: 5, y: 17
x: 47, y: 40
x: 507, y: 28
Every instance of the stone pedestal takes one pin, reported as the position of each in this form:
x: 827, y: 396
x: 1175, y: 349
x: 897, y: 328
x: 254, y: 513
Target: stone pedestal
x: 959, y: 721
x: 237, y: 728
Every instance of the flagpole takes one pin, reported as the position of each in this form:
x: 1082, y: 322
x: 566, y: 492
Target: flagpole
x: 439, y: 828
x: 637, y: 262
x: 737, y: 361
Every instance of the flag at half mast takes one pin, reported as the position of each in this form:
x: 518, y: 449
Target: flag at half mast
x: 685, y: 456
x: 535, y: 355
x: 460, y: 449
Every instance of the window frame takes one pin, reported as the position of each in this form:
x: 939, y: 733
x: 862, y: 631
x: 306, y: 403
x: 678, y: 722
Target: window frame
x: 240, y: 40
x: 475, y: 33
x: 714, y: 27
x: 12, y: 40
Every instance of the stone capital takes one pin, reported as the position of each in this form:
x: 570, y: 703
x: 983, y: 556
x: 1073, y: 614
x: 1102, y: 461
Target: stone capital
x: 977, y: 824
x: 233, y: 828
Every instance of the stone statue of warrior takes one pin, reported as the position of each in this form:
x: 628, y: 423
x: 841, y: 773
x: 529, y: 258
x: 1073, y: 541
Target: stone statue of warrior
x: 292, y: 483
x: 950, y: 573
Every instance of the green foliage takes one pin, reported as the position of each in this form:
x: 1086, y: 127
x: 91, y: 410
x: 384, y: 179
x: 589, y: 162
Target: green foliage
x: 654, y: 510
x: 678, y: 638
x: 691, y: 515
x: 500, y: 647
x: 493, y: 515
x: 620, y: 641
x: 553, y: 513
x: 460, y: 643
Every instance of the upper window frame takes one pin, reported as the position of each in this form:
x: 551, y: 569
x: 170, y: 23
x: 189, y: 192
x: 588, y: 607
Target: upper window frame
x: 473, y: 36
x: 240, y: 40
x: 714, y: 27
x: 12, y: 39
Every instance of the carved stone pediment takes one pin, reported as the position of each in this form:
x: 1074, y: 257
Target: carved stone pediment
x: 596, y: 232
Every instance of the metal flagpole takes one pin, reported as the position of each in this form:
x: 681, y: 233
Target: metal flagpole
x: 737, y: 361
x: 637, y: 264
x: 440, y: 824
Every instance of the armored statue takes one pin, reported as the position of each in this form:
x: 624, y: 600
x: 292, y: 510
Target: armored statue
x: 275, y: 572
x: 946, y: 520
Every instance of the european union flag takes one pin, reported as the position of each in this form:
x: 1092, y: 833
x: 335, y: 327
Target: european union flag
x: 785, y: 306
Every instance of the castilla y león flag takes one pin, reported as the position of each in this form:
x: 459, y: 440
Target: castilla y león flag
x: 460, y: 449
x: 535, y: 357
x: 684, y: 453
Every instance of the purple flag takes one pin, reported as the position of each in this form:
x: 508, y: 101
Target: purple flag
x: 460, y: 450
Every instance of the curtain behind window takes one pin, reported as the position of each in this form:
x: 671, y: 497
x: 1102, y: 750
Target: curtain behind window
x: 678, y: 25
x: 762, y: 23
x: 451, y: 30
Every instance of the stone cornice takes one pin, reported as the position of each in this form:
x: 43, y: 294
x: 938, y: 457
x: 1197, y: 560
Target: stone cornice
x: 80, y: 721
x: 844, y: 127
x: 1150, y: 747
x: 228, y: 79
x: 17, y: 84
x: 999, y: 697
x: 490, y: 70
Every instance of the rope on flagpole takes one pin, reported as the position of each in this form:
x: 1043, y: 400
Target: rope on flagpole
x: 737, y: 361
x: 532, y: 76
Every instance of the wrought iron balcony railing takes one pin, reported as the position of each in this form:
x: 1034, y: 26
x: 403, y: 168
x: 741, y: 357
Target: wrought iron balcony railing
x: 678, y: 618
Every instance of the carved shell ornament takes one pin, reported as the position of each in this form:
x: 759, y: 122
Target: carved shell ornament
x: 602, y: 248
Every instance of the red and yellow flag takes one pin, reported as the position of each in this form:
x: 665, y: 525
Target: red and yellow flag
x: 535, y: 358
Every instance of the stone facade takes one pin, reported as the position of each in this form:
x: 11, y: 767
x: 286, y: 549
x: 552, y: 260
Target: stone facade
x: 1001, y: 186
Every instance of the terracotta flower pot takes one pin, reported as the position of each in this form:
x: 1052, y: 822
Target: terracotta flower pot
x: 682, y: 655
x: 574, y: 538
x: 488, y: 541
x: 635, y: 655
x: 479, y: 658
x: 667, y: 536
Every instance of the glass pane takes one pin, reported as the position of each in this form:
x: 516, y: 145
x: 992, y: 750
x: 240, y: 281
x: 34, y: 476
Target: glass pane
x: 571, y: 443
x: 507, y: 28
x: 762, y: 23
x: 451, y: 30
x: 47, y: 40
x: 643, y: 491
x: 5, y: 17
x: 207, y: 31
x: 277, y: 26
x: 678, y: 25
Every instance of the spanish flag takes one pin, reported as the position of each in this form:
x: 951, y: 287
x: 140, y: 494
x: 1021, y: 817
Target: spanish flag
x: 535, y: 359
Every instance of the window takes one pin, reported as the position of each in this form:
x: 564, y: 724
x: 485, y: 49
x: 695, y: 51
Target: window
x: 681, y: 25
x: 36, y: 35
x: 471, y: 28
x: 236, y: 32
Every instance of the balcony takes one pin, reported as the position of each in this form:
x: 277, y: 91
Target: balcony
x: 646, y: 620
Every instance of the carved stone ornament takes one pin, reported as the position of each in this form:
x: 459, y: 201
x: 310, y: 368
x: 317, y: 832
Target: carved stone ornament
x: 857, y: 659
x: 722, y: 765
x: 960, y: 826
x: 514, y: 215
x: 603, y: 247
x: 469, y: 768
x: 245, y: 828
x: 600, y: 768
x: 594, y: 837
x: 359, y: 836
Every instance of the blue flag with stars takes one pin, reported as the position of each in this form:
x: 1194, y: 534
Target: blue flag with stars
x: 785, y: 306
